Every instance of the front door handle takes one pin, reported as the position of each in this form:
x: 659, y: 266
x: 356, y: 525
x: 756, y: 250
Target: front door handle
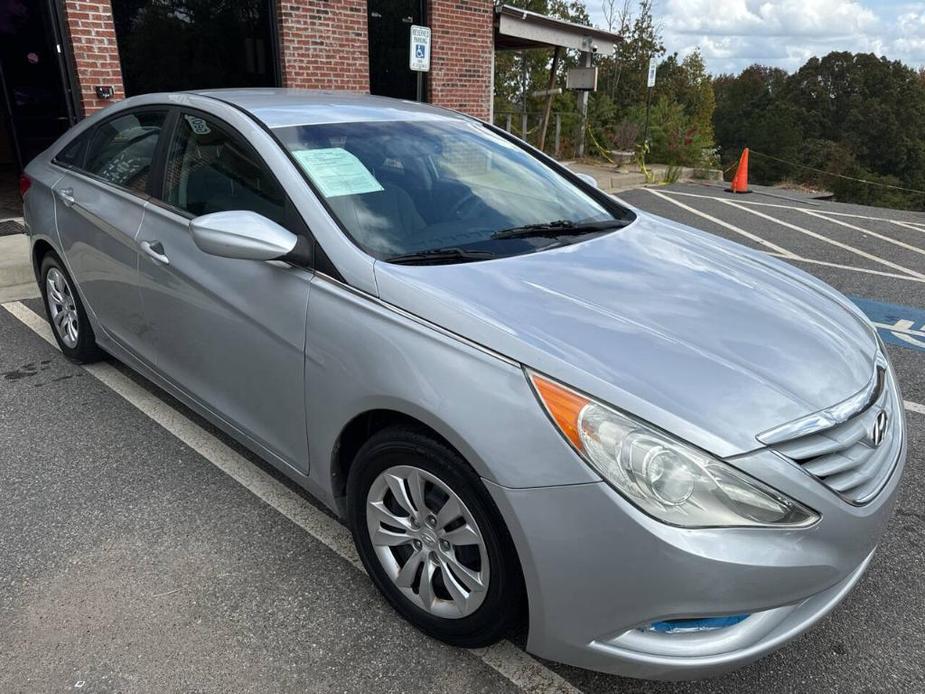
x: 155, y: 250
x: 67, y: 196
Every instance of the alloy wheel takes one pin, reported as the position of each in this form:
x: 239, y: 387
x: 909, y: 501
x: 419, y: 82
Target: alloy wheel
x: 427, y: 541
x: 62, y: 307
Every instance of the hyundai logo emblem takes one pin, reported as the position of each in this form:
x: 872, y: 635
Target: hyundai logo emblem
x: 879, y: 431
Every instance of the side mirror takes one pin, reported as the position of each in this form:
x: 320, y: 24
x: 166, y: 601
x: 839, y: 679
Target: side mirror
x: 587, y: 178
x: 242, y: 234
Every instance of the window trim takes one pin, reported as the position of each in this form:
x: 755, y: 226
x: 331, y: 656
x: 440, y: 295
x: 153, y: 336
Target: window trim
x: 91, y: 132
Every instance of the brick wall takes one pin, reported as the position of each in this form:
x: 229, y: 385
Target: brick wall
x: 323, y: 44
x: 96, y: 55
x: 462, y: 42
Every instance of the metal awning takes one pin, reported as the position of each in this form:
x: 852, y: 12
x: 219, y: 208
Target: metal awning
x: 516, y: 28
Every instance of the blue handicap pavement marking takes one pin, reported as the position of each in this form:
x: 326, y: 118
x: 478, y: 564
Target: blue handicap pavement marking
x: 899, y: 325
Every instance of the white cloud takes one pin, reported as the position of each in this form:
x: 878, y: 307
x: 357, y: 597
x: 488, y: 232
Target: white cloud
x: 733, y: 34
x: 796, y: 18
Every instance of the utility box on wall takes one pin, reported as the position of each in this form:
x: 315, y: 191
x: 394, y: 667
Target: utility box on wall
x: 582, y: 79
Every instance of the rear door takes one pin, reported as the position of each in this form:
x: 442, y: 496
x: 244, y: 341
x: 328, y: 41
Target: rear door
x: 99, y: 204
x: 229, y: 333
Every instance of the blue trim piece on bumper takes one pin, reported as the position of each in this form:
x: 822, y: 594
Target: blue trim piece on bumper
x: 699, y: 624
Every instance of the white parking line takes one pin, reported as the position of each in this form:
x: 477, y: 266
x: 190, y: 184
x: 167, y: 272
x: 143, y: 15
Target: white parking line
x: 914, y: 407
x: 847, y: 225
x: 839, y: 266
x: 826, y: 239
x: 511, y: 662
x: 732, y: 227
x: 800, y: 209
x: 782, y: 252
x: 907, y: 225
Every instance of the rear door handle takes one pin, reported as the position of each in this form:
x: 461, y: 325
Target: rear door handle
x: 155, y: 250
x: 67, y: 196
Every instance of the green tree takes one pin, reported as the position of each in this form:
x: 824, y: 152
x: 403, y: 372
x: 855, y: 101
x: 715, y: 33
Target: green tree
x: 681, y: 117
x: 842, y: 115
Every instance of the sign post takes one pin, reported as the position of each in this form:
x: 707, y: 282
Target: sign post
x: 650, y: 83
x: 419, y: 58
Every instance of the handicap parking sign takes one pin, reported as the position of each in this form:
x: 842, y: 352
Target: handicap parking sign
x: 420, y: 49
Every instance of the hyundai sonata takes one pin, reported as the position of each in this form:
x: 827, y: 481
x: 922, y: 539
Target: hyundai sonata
x: 668, y: 453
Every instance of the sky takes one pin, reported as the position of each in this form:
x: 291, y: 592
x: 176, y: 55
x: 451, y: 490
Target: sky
x: 733, y: 34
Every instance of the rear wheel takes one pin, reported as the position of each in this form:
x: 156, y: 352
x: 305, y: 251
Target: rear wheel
x: 66, y: 313
x: 432, y: 540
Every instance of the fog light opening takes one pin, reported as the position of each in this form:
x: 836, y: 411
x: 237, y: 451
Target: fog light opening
x: 681, y: 626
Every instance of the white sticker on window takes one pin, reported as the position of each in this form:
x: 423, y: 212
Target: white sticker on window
x: 336, y: 172
x: 198, y: 125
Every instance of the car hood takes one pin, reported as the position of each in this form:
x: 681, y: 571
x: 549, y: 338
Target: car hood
x: 702, y: 337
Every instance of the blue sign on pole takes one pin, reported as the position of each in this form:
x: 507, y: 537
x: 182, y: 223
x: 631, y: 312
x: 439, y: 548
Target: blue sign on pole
x: 903, y: 326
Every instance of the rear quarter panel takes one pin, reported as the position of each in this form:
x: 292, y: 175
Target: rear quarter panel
x: 39, y: 204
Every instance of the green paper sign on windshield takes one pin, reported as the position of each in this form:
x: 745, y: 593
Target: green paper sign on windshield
x: 336, y: 172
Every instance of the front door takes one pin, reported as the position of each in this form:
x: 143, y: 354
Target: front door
x: 99, y: 205
x: 389, y: 45
x: 229, y: 333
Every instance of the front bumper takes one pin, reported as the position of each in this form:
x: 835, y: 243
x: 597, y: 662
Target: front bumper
x: 598, y: 570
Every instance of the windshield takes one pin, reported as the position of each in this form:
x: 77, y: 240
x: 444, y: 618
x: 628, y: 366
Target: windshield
x: 450, y: 190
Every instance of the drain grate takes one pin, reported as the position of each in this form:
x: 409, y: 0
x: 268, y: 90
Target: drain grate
x: 9, y: 227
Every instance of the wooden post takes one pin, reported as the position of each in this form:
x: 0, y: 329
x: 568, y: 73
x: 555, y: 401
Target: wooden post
x: 523, y: 126
x: 549, y: 97
x: 507, y: 123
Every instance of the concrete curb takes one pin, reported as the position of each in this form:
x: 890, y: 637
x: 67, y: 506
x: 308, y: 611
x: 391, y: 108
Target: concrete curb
x: 19, y: 292
x: 611, y: 179
x: 15, y: 266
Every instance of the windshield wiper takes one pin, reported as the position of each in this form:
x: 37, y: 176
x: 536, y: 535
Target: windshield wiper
x: 559, y: 227
x: 440, y: 255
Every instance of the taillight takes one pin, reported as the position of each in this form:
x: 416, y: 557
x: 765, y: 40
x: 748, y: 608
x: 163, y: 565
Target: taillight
x: 24, y: 184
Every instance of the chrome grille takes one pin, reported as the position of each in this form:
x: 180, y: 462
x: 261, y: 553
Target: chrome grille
x: 844, y: 457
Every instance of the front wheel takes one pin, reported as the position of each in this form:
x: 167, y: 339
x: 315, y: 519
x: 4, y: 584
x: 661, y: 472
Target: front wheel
x: 431, y: 539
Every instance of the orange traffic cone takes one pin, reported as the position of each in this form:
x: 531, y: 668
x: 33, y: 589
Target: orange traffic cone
x: 740, y: 180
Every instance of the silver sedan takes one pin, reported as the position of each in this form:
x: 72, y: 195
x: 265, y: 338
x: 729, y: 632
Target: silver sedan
x: 667, y: 453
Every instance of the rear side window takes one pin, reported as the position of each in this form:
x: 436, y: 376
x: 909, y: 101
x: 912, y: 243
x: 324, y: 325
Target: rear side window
x: 210, y: 169
x: 121, y: 150
x: 73, y: 153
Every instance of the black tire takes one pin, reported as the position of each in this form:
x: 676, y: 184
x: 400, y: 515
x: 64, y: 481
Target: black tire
x: 502, y: 606
x: 85, y: 350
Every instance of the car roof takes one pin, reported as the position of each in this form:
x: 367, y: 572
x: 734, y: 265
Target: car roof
x: 283, y: 107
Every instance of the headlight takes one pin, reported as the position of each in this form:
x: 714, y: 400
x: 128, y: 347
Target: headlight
x: 671, y: 481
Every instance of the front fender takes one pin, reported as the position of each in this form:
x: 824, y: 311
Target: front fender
x: 362, y: 355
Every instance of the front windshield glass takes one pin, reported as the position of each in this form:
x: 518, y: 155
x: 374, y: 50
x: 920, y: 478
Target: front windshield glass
x: 449, y: 188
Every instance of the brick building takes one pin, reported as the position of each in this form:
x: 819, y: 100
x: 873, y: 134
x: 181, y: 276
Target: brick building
x: 61, y: 60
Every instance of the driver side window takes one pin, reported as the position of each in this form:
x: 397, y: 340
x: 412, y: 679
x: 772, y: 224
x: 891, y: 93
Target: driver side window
x: 211, y: 170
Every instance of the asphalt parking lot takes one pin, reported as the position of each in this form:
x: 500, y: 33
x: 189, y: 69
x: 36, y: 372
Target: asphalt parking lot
x: 142, y: 550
